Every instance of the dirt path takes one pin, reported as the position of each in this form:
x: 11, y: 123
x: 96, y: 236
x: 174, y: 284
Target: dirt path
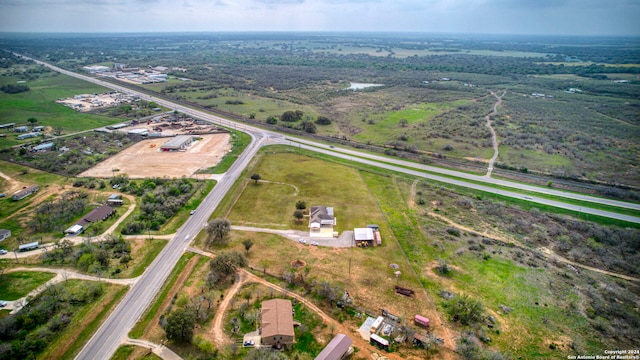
x: 14, y: 185
x: 162, y: 351
x: 61, y: 275
x: 494, y: 138
x: 246, y: 276
x: 296, y: 189
x: 545, y: 251
x: 217, y: 330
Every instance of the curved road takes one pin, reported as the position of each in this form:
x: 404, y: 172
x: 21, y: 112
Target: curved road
x: 115, y: 329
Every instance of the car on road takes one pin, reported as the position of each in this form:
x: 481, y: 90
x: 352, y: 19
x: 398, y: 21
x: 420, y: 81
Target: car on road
x: 528, y: 197
x: 315, y: 243
x: 3, y: 251
x: 192, y: 212
x: 3, y: 303
x: 303, y: 241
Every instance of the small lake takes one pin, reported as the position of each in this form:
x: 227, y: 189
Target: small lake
x: 359, y: 86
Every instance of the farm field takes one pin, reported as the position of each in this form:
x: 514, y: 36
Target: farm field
x: 145, y: 159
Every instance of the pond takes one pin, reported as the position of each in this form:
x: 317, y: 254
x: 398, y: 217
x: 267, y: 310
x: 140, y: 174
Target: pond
x: 359, y: 86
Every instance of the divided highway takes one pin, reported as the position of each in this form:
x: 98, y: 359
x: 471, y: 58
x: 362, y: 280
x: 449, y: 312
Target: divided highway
x: 115, y: 329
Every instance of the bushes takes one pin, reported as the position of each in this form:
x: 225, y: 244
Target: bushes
x: 161, y: 199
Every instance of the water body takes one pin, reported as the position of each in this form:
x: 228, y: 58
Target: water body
x: 360, y: 86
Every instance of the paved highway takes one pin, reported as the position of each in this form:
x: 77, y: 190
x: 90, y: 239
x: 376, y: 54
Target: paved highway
x: 378, y: 159
x: 115, y: 329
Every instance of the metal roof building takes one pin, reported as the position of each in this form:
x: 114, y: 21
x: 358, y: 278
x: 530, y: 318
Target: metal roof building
x: 336, y: 349
x: 180, y: 142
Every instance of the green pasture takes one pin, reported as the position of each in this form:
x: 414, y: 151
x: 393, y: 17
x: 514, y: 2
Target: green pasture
x: 40, y: 103
x: 288, y: 178
x: 15, y: 285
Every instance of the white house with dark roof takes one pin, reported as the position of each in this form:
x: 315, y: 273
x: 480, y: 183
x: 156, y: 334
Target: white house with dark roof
x: 321, y: 221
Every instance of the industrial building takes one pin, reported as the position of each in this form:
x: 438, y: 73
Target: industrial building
x: 178, y: 143
x: 141, y: 132
x: 29, y: 135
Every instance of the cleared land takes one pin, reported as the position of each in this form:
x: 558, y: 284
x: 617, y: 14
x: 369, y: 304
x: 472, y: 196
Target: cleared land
x: 145, y: 159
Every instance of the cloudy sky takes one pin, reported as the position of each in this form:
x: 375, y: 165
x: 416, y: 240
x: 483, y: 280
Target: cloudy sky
x: 570, y: 17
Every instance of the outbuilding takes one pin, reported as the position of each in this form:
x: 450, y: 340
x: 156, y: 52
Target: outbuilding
x: 74, y: 230
x: 180, y: 142
x: 19, y: 195
x: 337, y: 349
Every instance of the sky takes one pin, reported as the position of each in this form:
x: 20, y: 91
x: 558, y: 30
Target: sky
x: 548, y: 17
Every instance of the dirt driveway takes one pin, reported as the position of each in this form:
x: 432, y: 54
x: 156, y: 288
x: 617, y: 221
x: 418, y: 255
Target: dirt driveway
x: 145, y: 159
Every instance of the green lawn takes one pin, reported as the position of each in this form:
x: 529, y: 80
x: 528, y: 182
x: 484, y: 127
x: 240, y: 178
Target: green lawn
x: 40, y: 103
x: 15, y: 285
x: 292, y: 177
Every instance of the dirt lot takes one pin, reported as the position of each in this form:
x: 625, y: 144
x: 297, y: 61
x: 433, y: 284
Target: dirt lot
x: 145, y: 159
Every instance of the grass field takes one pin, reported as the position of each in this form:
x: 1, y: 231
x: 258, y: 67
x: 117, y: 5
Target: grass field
x: 15, y: 285
x: 40, y: 103
x: 271, y: 202
x: 126, y: 352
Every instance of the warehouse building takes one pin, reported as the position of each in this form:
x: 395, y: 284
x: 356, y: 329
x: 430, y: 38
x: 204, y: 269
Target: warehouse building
x: 178, y: 143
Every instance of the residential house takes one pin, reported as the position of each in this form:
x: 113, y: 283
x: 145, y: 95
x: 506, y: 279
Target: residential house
x: 19, y: 195
x: 276, y: 323
x: 321, y: 222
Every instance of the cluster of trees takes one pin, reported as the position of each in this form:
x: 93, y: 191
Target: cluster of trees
x: 107, y: 256
x: 180, y: 323
x: 30, y: 331
x: 14, y: 88
x: 77, y: 159
x: 161, y: 199
x: 56, y: 214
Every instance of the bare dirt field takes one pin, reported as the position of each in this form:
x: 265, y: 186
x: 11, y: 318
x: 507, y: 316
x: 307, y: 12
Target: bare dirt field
x: 145, y: 159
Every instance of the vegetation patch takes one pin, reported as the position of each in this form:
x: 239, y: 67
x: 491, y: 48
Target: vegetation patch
x: 17, y: 284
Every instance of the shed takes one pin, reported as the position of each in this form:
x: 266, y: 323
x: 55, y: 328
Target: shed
x: 336, y: 349
x: 363, y: 236
x: 74, y: 230
x: 21, y: 129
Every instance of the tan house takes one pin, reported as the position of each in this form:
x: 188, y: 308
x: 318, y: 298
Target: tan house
x: 276, y: 323
x: 321, y: 222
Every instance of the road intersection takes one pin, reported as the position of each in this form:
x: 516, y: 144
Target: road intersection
x: 114, y: 330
